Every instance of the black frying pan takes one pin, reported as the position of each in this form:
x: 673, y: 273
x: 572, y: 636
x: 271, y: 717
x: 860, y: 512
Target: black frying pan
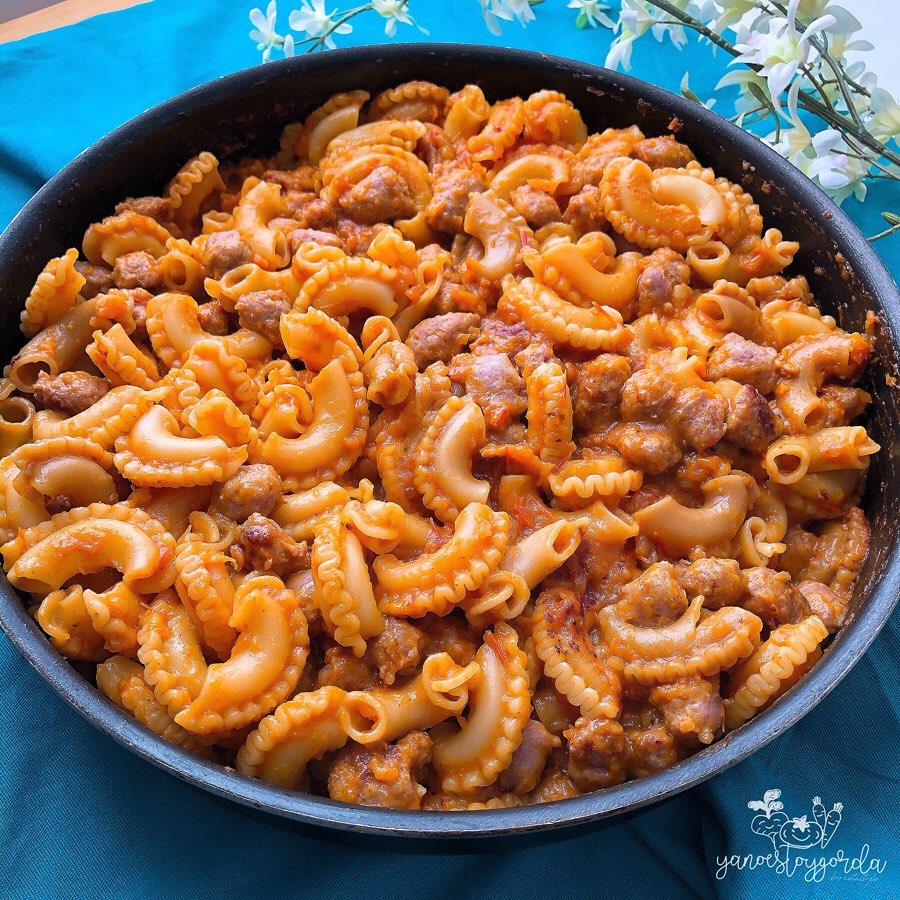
x: 245, y: 112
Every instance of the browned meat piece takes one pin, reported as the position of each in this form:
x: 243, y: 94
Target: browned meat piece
x: 252, y: 489
x: 773, y: 597
x: 213, y: 318
x: 494, y: 383
x: 800, y: 545
x: 839, y: 553
x: 598, y: 752
x: 451, y: 634
x: 534, y: 355
x: 265, y: 546
x: 651, y: 746
x: 654, y: 598
x: 511, y: 338
x: 692, y: 708
x: 662, y: 284
x: 450, y: 195
x: 647, y: 447
x: 225, y: 250
x: 343, y: 669
x: 744, y: 361
x: 382, y: 196
x: 137, y: 270
x: 527, y: 764
x: 441, y: 337
x: 699, y: 417
x: 555, y: 785
x: 598, y: 386
x: 139, y: 300
x: 537, y: 208
x: 397, y: 650
x: 825, y: 603
x: 662, y: 152
x: 309, y: 210
x: 719, y: 581
x: 69, y: 392
x: 98, y: 279
x: 584, y: 211
x: 385, y: 775
x: 261, y: 311
x: 750, y: 424
x: 301, y: 583
x: 300, y: 179
x: 158, y: 208
x: 647, y: 394
x: 843, y: 404
x: 311, y: 235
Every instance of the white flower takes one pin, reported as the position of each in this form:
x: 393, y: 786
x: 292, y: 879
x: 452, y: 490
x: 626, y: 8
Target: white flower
x: 885, y: 121
x: 635, y: 20
x: 264, y: 30
x: 686, y: 91
x: 723, y: 13
x: 312, y: 19
x: 591, y: 13
x: 492, y: 11
x: 393, y: 11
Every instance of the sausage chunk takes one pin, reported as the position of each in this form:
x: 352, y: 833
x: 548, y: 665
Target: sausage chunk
x: 647, y: 447
x: 692, y: 708
x: 137, y: 270
x: 494, y: 383
x: 265, y: 546
x: 719, y: 581
x: 312, y: 235
x: 598, y: 753
x: 213, y: 318
x: 527, y: 764
x: 825, y: 603
x: 158, y: 208
x: 69, y: 392
x: 382, y: 196
x: 699, y: 417
x: 225, y: 250
x: 584, y: 211
x: 773, y: 597
x: 450, y: 634
x: 662, y: 152
x: 343, y: 669
x: 385, y: 775
x: 654, y: 598
x: 647, y: 395
x: 662, y: 284
x: 252, y: 489
x: 744, y: 361
x: 397, y: 650
x: 261, y: 311
x: 441, y: 337
x: 450, y: 195
x: 598, y: 386
x: 98, y: 279
x: 537, y: 208
x: 750, y: 424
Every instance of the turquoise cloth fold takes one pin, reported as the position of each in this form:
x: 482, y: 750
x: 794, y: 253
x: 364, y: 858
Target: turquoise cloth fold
x: 82, y: 817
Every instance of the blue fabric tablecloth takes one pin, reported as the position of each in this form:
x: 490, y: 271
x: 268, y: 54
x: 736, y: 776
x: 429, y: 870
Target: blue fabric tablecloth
x: 82, y: 817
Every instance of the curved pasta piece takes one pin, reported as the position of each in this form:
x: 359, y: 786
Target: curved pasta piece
x: 505, y: 122
x: 690, y: 646
x: 677, y: 529
x: 154, y: 454
x: 193, y: 184
x: 173, y: 324
x: 753, y: 256
x: 265, y: 663
x: 501, y: 231
x: 390, y: 373
x: 761, y: 534
x: 844, y: 447
x: 343, y: 586
x: 65, y: 619
x: 128, y: 232
x: 259, y: 204
x: 598, y: 328
x: 204, y: 582
x: 339, y: 114
x: 16, y: 510
x: 728, y: 307
x: 499, y: 708
x: 121, y: 360
x: 420, y: 100
x: 379, y: 526
x: 403, y: 135
x: 443, y: 472
x: 549, y: 413
x: 298, y: 513
x: 170, y: 652
x: 317, y: 339
x: 88, y: 539
x: 588, y: 479
x: 215, y: 367
x: 54, y: 293
x: 541, y: 171
x: 784, y: 321
x: 581, y: 673
x: 249, y: 278
x: 435, y: 582
x: 348, y: 285
x: 773, y: 668
x: 299, y: 731
x: 465, y: 112
x: 16, y: 422
x: 505, y: 593
x: 115, y: 614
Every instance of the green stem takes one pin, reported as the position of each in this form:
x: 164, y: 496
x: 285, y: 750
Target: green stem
x: 885, y: 233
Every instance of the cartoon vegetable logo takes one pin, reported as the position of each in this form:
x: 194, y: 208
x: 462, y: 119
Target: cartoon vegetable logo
x: 799, y: 833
